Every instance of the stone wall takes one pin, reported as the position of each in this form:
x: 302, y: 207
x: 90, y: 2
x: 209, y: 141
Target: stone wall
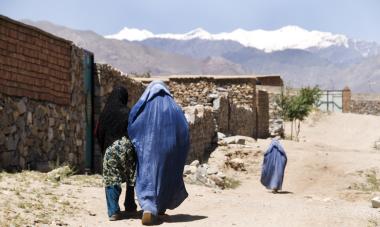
x: 226, y: 105
x: 202, y: 132
x: 276, y: 123
x: 365, y: 104
x: 33, y: 63
x: 262, y: 127
x: 38, y: 134
x: 233, y: 100
x: 191, y: 91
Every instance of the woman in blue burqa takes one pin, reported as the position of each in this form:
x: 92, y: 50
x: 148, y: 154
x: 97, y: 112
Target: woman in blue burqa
x: 160, y: 133
x: 272, y: 174
x: 119, y: 163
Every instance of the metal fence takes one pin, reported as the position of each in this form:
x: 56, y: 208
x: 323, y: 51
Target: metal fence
x: 331, y: 101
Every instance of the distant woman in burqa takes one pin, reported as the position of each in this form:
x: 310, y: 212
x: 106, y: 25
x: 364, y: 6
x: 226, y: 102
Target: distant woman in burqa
x: 159, y: 131
x: 272, y: 174
x: 119, y: 155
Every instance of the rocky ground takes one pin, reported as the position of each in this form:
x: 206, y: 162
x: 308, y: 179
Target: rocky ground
x: 333, y: 173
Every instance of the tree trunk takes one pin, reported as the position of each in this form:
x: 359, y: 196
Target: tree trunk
x: 291, y: 131
x: 298, y: 129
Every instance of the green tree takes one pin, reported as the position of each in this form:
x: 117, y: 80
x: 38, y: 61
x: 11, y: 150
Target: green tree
x: 297, y: 108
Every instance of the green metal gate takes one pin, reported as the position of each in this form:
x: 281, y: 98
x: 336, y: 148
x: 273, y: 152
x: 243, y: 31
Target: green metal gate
x: 88, y: 66
x: 331, y: 101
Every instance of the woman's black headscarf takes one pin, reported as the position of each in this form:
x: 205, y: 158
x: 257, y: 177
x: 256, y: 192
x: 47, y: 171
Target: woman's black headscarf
x: 113, y: 121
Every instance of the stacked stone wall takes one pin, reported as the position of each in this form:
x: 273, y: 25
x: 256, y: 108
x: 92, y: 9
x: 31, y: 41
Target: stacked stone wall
x: 38, y: 134
x: 365, y: 104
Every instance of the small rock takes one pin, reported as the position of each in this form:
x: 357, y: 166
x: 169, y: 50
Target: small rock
x: 221, y: 89
x: 21, y: 107
x: 238, y: 140
x: 51, y: 121
x: 188, y: 169
x: 212, y: 170
x: 11, y: 143
x: 57, y: 177
x: 29, y: 118
x: 213, y: 96
x: 237, y: 164
x: 195, y: 163
x: 79, y: 142
x: 10, y: 130
x: 2, y: 138
x: 217, y: 180
x: 205, y: 165
x: 221, y: 136
x: 377, y: 145
x: 61, y: 127
x: 221, y: 175
x: 201, y: 172
x: 376, y: 202
x: 50, y: 134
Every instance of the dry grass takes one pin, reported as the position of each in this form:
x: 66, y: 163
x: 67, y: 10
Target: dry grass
x: 32, y: 198
x: 230, y: 183
x: 373, y: 222
x: 371, y: 181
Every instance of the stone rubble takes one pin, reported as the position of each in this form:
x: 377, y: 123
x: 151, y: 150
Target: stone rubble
x: 376, y: 202
x: 231, y: 154
x: 276, y: 127
x: 204, y: 174
x: 377, y: 145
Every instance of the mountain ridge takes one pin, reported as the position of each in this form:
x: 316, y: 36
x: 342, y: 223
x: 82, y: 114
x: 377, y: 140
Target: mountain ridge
x: 292, y: 37
x: 333, y: 67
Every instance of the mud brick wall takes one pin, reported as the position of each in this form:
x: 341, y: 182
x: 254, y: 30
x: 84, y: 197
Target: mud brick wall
x: 202, y: 131
x: 37, y: 134
x: 365, y: 104
x: 241, y: 105
x: 34, y: 63
x: 242, y: 121
x: 274, y: 81
x: 262, y: 100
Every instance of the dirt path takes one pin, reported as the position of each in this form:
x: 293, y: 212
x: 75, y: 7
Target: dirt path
x: 319, y: 173
x: 325, y: 185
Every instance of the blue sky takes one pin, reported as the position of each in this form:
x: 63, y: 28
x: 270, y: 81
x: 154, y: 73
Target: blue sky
x: 358, y: 19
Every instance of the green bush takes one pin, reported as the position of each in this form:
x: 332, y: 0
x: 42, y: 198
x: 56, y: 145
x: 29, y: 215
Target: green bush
x: 297, y: 108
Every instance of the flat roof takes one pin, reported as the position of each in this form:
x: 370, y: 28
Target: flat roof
x: 216, y: 77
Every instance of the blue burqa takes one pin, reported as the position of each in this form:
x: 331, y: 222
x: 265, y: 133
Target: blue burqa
x: 160, y: 133
x: 272, y: 174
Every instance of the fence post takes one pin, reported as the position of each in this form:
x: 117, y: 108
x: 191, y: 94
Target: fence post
x: 346, y: 100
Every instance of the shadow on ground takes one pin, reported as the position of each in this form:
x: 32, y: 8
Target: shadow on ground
x: 182, y: 218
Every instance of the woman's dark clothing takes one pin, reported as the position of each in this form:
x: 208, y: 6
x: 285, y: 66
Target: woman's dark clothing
x: 113, y: 121
x: 119, y: 164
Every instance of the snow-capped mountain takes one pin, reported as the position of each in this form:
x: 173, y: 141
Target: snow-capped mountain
x: 316, y: 58
x: 289, y: 37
